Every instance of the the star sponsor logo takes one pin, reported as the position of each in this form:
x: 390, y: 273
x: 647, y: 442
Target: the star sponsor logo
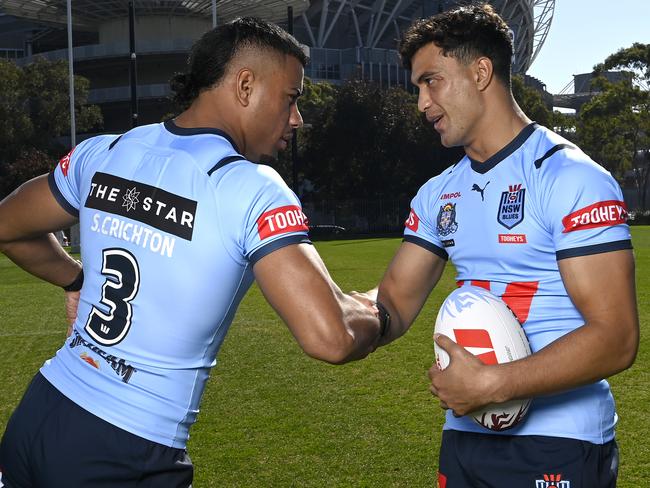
x: 130, y: 199
x: 148, y: 204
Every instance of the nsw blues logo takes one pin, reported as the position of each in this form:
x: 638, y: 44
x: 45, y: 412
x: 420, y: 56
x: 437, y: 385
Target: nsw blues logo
x: 511, y: 206
x: 447, y: 219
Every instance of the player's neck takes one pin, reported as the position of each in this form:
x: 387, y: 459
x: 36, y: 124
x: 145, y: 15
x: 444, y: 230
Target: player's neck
x: 498, y: 126
x: 202, y: 115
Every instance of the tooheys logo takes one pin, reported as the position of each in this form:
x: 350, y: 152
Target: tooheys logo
x: 64, y: 162
x: 412, y: 222
x: 601, y: 214
x: 281, y: 220
x: 478, y: 342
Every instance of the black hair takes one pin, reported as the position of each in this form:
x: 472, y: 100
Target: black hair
x: 211, y: 54
x: 464, y: 33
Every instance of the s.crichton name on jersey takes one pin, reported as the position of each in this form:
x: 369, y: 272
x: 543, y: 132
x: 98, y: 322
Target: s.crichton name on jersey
x: 157, y: 208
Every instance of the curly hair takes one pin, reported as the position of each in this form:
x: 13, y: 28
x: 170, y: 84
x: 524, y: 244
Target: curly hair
x: 464, y: 33
x: 211, y: 54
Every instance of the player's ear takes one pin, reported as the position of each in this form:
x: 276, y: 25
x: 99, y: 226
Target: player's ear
x: 244, y: 87
x: 484, y: 71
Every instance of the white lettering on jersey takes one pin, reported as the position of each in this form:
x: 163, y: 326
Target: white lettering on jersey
x: 137, y: 234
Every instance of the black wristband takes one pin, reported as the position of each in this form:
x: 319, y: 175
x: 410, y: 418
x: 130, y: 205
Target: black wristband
x: 77, y: 283
x: 384, y: 320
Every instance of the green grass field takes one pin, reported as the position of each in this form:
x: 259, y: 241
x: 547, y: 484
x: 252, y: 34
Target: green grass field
x: 272, y: 417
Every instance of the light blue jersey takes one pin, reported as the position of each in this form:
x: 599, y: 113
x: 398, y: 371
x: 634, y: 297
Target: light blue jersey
x: 172, y: 221
x: 505, y: 223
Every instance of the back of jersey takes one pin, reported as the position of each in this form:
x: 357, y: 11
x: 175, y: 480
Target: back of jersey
x: 167, y: 239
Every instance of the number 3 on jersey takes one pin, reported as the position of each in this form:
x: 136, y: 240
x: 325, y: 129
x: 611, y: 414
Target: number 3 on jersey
x: 121, y: 286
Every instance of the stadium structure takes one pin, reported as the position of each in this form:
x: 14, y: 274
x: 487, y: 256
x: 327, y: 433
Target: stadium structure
x: 346, y: 39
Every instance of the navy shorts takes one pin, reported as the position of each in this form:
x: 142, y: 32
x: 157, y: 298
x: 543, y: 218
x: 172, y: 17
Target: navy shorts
x: 470, y: 460
x: 51, y: 442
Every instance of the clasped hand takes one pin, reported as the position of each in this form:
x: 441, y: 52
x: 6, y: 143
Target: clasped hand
x: 466, y: 384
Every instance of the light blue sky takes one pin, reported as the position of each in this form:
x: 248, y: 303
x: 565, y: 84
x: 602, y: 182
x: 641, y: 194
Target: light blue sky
x: 584, y: 33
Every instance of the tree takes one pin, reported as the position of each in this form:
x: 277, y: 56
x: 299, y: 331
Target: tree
x: 370, y: 143
x: 614, y: 127
x: 34, y: 114
x: 531, y: 102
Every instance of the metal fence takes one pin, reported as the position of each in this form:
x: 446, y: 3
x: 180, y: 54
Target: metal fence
x: 358, y: 216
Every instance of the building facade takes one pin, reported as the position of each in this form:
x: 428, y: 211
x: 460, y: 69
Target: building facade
x: 346, y: 39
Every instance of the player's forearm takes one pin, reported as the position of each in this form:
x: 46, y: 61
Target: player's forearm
x: 588, y: 354
x: 44, y: 258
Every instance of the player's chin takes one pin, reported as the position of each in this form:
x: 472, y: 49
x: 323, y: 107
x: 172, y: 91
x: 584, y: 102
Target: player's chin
x: 281, y: 145
x: 268, y: 157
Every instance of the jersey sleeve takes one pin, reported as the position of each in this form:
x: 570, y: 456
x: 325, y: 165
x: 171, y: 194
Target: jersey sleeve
x: 65, y: 179
x: 584, y: 207
x: 265, y: 213
x: 420, y: 227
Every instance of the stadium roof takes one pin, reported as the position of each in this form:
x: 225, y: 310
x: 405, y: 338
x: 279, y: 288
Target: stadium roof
x: 90, y: 13
x: 326, y: 23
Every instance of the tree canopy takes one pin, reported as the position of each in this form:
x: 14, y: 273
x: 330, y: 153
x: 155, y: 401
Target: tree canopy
x: 34, y: 114
x: 614, y: 127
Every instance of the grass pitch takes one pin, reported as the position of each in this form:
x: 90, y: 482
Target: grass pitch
x: 272, y: 417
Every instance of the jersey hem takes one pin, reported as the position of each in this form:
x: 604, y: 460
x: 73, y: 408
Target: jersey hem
x: 564, y: 435
x: 177, y: 443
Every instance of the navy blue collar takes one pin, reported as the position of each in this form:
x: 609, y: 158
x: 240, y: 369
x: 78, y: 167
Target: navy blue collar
x: 503, y: 153
x: 171, y: 126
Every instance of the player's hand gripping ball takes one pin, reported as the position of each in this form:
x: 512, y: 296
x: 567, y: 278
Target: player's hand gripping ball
x: 484, y: 325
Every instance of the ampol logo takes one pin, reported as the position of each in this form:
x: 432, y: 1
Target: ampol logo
x: 552, y: 481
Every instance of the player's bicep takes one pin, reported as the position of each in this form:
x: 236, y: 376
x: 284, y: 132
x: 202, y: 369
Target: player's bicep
x: 408, y: 281
x: 603, y: 290
x: 32, y: 210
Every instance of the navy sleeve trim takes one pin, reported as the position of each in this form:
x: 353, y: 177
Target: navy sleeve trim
x: 278, y: 244
x: 550, y: 152
x: 438, y: 251
x: 225, y: 161
x: 595, y: 249
x: 112, y: 145
x: 59, y: 196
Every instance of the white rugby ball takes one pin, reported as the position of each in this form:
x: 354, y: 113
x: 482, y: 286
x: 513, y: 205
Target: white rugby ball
x: 484, y: 325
